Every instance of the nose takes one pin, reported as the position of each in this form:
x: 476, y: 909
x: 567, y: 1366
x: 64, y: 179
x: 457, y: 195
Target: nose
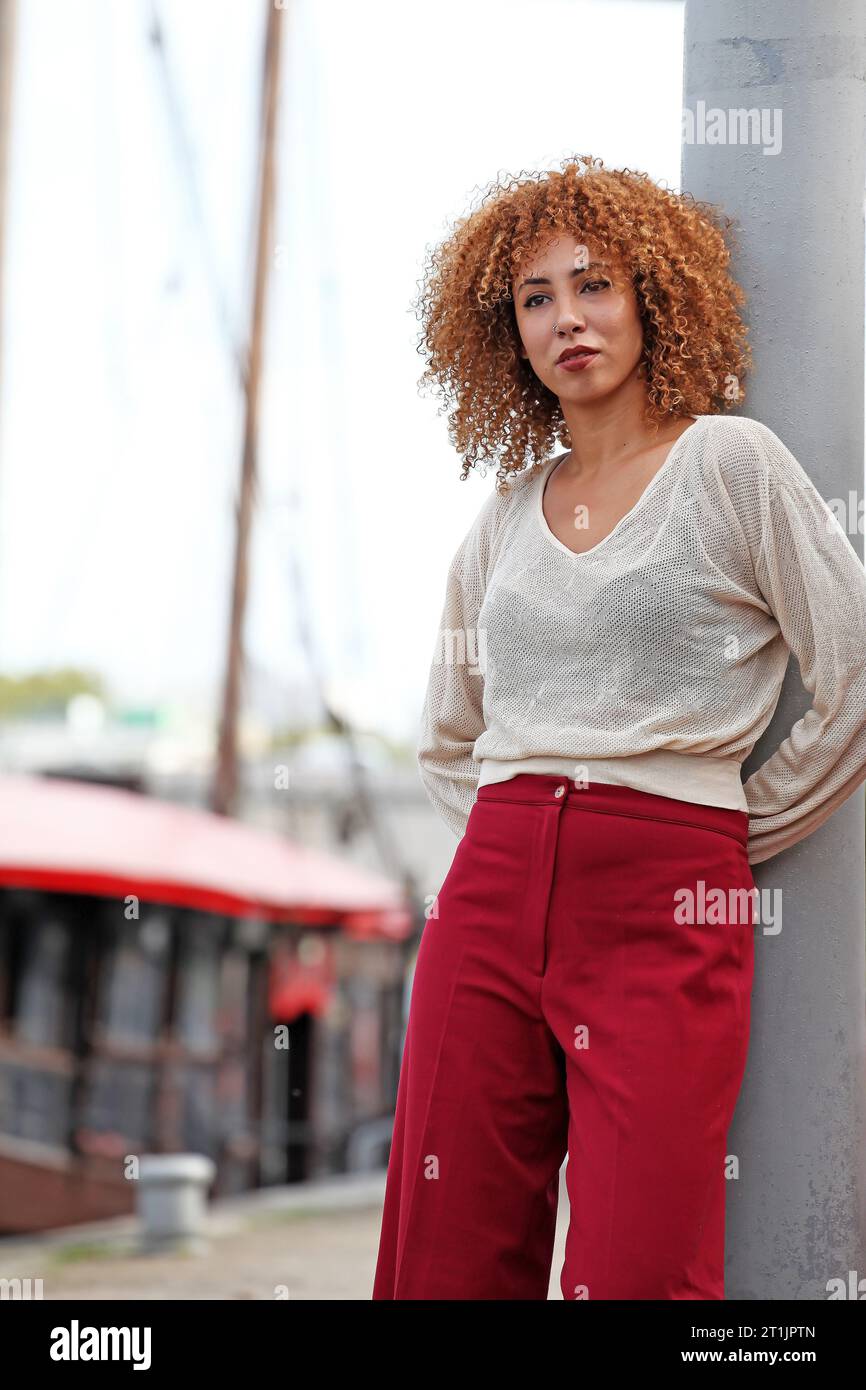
x: 569, y: 318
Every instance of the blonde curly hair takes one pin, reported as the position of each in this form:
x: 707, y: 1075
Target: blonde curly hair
x: 673, y: 249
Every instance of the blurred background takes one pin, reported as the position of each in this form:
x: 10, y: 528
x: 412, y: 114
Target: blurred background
x: 226, y: 517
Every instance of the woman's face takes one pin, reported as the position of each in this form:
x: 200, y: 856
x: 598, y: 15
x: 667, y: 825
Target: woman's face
x: 571, y: 287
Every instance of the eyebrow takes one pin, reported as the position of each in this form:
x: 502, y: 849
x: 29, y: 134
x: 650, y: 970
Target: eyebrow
x: 540, y: 279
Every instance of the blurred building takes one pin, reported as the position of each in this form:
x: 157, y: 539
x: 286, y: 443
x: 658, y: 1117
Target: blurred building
x: 172, y: 980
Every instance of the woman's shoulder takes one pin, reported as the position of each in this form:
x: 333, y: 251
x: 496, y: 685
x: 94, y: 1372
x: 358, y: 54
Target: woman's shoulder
x: 496, y: 515
x: 506, y: 493
x: 730, y: 433
x: 747, y: 450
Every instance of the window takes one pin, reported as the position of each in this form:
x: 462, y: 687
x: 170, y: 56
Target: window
x: 132, y: 997
x: 198, y: 985
x: 41, y: 1014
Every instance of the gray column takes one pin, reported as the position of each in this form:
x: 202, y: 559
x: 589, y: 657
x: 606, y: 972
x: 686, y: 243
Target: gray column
x: 795, y: 1213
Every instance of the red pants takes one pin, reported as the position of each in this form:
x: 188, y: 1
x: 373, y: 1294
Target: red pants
x: 564, y: 1001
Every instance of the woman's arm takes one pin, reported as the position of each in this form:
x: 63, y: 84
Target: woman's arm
x: 814, y: 582
x: 452, y: 717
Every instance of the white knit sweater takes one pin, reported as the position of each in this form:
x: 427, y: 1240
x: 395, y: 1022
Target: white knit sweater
x: 655, y: 659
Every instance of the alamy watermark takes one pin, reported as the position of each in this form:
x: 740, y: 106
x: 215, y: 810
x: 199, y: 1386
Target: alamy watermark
x: 463, y: 646
x: 736, y: 126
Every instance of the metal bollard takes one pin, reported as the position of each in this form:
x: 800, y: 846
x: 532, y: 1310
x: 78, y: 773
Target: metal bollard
x: 172, y: 1199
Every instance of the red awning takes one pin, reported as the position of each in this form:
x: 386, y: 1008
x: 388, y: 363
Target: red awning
x: 301, y: 986
x: 75, y: 837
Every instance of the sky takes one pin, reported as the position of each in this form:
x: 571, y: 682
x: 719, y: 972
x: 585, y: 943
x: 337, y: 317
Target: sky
x: 131, y: 208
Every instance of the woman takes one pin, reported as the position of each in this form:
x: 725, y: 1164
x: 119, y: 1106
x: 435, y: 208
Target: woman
x: 617, y: 625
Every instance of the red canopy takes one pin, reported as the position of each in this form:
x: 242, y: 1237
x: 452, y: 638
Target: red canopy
x: 76, y: 837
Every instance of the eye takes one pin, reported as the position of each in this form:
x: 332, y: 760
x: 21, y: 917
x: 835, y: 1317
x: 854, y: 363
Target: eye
x: 588, y: 284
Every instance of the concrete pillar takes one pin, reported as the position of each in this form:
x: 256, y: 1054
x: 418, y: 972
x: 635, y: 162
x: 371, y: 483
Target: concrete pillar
x: 172, y: 1201
x: 795, y: 1214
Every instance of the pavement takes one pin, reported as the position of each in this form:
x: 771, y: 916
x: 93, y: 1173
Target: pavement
x: 311, y: 1241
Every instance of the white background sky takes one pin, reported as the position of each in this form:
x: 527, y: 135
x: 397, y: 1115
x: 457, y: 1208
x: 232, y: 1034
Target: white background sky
x: 121, y: 418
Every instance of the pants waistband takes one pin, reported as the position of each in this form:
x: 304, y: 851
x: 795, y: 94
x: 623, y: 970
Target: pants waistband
x: 612, y: 799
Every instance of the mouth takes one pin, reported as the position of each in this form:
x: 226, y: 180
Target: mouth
x: 576, y: 359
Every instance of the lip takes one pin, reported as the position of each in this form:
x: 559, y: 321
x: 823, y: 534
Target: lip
x: 578, y: 361
x: 573, y: 351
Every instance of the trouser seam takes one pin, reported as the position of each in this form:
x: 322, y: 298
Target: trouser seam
x: 667, y: 820
x: 623, y: 815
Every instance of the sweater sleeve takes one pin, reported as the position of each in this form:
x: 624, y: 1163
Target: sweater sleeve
x: 815, y: 586
x: 452, y: 716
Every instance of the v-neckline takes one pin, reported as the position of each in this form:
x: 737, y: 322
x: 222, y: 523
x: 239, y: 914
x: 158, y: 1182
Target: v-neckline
x: 581, y: 554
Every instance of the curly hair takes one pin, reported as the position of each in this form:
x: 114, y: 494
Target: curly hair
x: 672, y: 247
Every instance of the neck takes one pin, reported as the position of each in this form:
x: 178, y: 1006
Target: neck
x: 606, y: 434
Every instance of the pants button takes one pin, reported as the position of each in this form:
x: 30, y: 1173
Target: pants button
x: 560, y: 791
